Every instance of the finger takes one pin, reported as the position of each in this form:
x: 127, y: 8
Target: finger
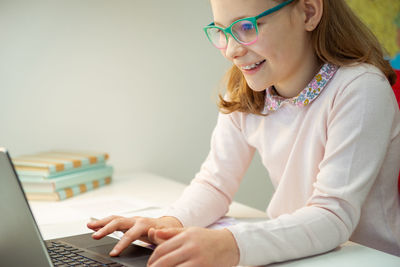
x: 165, y: 248
x: 161, y: 235
x: 170, y: 259
x: 131, y: 235
x: 167, y: 233
x: 100, y: 223
x: 151, y: 235
x: 187, y: 264
x: 96, y: 229
x: 118, y: 224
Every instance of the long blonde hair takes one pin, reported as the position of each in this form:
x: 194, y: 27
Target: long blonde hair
x: 340, y: 38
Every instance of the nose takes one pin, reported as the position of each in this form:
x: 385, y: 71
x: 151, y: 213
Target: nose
x: 234, y: 49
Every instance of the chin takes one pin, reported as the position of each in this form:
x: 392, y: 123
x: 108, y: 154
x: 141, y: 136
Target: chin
x: 257, y: 88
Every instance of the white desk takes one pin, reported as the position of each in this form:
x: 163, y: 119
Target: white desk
x: 161, y: 192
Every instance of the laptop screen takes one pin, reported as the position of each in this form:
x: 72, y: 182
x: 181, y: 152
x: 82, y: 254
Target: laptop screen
x: 21, y: 243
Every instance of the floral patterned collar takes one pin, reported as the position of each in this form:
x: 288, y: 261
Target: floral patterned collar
x: 273, y: 101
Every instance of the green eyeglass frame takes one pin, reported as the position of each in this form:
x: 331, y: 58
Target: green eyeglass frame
x: 253, y: 20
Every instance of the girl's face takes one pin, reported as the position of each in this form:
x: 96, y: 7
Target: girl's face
x: 282, y: 51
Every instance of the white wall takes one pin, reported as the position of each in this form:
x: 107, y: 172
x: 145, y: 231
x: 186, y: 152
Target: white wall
x: 137, y: 79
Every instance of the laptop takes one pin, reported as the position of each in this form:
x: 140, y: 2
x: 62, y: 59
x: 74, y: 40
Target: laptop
x: 21, y: 243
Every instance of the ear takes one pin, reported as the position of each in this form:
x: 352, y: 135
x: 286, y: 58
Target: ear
x: 312, y: 12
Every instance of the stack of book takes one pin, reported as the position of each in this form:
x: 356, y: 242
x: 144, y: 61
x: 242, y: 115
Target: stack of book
x: 57, y: 175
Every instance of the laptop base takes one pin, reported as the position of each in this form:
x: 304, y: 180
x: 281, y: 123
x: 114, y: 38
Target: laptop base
x: 98, y: 249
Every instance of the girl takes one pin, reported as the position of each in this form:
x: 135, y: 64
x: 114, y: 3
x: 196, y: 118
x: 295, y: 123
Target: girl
x: 310, y: 91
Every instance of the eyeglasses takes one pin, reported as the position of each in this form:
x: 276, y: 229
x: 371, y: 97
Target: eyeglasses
x: 244, y: 31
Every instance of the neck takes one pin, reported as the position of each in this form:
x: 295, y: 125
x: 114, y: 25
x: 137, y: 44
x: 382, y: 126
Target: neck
x: 300, y: 77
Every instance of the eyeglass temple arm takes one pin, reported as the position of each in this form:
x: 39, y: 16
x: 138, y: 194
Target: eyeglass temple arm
x: 266, y: 12
x: 276, y: 8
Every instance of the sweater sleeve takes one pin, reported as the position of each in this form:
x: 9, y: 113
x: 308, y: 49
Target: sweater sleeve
x: 210, y: 193
x: 358, y: 134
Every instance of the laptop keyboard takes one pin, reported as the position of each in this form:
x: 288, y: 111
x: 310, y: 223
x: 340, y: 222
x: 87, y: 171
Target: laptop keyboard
x: 64, y: 255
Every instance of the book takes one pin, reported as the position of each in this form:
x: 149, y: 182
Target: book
x: 52, y: 164
x: 36, y: 185
x: 69, y: 191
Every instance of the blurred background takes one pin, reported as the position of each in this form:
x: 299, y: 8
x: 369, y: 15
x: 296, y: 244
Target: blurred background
x: 383, y: 18
x: 136, y: 79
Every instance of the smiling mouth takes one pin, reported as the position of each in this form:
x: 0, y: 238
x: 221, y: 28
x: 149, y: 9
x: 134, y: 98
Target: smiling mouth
x: 253, y: 66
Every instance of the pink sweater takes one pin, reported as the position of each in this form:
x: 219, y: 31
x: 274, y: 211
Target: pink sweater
x: 334, y: 164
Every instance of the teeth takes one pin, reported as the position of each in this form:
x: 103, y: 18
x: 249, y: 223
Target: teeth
x: 252, y: 66
x: 249, y: 67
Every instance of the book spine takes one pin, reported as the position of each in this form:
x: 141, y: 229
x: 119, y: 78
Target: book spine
x: 69, y: 191
x: 34, y: 185
x: 39, y: 175
x: 82, y: 188
x: 53, y: 163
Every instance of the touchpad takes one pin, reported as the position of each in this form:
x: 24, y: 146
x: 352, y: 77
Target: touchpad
x: 131, y: 251
x: 133, y: 255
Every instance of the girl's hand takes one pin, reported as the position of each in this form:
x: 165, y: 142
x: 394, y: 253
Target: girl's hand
x: 134, y: 228
x: 193, y: 247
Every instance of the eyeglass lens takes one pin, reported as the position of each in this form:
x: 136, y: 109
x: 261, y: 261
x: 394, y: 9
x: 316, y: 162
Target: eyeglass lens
x: 244, y: 31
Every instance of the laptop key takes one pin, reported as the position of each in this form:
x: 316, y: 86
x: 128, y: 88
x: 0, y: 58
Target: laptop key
x: 72, y: 249
x: 95, y: 257
x: 65, y: 255
x: 89, y: 262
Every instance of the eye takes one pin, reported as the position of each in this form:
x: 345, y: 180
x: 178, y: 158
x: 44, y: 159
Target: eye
x: 220, y: 32
x: 248, y: 26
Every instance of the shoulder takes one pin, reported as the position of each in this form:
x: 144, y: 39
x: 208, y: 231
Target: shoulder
x: 360, y: 75
x: 362, y: 82
x: 361, y: 93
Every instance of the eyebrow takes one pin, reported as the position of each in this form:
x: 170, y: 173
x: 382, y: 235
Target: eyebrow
x: 235, y: 19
